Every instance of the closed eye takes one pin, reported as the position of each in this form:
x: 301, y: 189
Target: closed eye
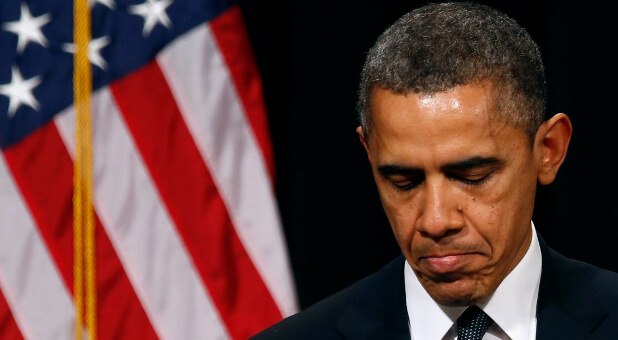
x: 406, y: 184
x: 473, y: 179
x: 402, y: 178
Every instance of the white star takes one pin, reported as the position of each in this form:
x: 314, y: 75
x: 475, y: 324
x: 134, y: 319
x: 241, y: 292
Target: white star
x: 19, y: 91
x: 109, y: 3
x: 28, y: 28
x: 94, y: 51
x: 153, y: 12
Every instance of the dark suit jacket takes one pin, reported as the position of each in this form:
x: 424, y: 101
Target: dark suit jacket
x: 576, y: 301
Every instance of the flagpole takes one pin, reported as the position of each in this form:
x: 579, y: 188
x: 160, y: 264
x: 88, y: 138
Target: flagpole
x: 84, y: 266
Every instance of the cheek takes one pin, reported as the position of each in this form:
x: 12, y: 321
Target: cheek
x: 514, y: 199
x: 501, y: 215
x: 401, y: 216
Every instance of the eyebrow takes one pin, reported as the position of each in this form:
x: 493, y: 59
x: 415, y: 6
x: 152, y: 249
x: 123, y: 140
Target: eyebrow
x: 471, y: 163
x: 387, y: 170
x: 460, y: 165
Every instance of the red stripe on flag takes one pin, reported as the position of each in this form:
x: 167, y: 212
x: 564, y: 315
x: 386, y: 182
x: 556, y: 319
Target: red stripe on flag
x: 43, y: 171
x: 8, y: 326
x: 184, y: 182
x: 231, y: 36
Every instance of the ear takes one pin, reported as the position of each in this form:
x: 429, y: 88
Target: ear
x: 361, y: 136
x: 552, y: 142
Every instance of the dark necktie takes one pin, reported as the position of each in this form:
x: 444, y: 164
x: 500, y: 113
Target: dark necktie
x: 473, y: 324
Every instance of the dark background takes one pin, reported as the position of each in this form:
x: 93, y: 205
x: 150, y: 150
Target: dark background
x: 310, y: 54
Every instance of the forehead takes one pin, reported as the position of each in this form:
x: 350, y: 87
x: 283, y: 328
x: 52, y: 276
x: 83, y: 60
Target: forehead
x: 461, y: 120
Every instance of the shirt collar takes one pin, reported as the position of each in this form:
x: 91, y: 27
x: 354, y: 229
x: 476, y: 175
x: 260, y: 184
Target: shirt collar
x: 512, y: 306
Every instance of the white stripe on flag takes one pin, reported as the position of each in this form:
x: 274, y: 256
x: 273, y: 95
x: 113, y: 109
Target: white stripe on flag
x: 202, y: 86
x: 141, y: 231
x: 41, y: 304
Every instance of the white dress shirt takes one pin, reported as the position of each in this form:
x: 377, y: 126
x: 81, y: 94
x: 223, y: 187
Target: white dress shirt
x: 512, y: 306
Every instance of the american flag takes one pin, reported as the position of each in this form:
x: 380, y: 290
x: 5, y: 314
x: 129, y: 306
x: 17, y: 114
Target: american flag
x: 189, y: 241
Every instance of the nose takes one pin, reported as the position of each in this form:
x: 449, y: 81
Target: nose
x: 440, y: 214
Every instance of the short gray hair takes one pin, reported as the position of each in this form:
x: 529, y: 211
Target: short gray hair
x: 440, y: 46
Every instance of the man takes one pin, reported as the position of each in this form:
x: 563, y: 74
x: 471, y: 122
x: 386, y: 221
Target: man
x: 451, y: 105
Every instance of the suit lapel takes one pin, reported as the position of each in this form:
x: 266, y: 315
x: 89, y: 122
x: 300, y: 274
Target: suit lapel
x: 359, y: 324
x: 564, y: 309
x: 380, y: 313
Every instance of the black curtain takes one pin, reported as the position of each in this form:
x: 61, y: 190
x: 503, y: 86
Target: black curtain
x: 310, y: 54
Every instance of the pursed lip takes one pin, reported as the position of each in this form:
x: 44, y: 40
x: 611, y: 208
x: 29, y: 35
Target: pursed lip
x: 447, y: 263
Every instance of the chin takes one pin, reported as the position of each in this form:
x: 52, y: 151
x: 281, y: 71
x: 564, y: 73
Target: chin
x: 457, y: 300
x: 457, y: 294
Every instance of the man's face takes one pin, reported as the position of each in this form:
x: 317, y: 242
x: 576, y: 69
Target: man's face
x: 457, y: 183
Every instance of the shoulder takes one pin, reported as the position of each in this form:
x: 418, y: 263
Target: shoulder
x: 578, y: 296
x: 371, y: 296
x: 569, y: 276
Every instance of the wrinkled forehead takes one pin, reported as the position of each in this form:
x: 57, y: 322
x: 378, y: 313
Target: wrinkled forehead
x: 427, y: 130
x: 466, y: 104
x: 479, y: 101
